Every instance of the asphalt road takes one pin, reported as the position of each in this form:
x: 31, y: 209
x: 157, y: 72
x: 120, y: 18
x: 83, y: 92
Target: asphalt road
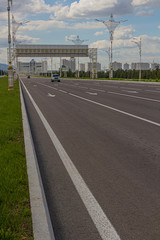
x: 102, y: 176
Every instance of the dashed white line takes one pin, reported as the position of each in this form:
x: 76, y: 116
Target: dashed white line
x: 99, y: 90
x: 148, y: 99
x: 91, y: 93
x: 138, y: 89
x: 152, y: 91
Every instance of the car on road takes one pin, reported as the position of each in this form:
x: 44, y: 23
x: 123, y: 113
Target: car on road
x: 55, y: 78
x: 28, y: 76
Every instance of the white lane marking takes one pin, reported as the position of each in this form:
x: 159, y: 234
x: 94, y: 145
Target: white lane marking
x: 148, y: 99
x: 91, y: 93
x: 102, y: 223
x: 129, y: 91
x: 48, y: 86
x: 97, y: 90
x: 51, y: 95
x: 117, y: 110
x: 138, y: 89
x: 62, y: 91
x: 152, y: 91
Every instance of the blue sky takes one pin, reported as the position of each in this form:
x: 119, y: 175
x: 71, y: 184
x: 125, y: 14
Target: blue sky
x: 51, y: 22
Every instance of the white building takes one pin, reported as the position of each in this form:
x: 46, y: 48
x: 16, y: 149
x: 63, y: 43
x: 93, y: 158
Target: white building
x: 116, y: 66
x: 88, y: 67
x: 126, y: 66
x: 144, y: 66
x: 71, y: 64
x: 32, y: 67
x: 82, y: 67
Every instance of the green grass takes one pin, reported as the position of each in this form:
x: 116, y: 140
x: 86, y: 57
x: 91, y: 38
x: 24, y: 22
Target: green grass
x: 15, y: 213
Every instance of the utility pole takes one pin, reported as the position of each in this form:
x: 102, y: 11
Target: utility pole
x: 111, y: 24
x: 10, y: 69
x: 139, y: 45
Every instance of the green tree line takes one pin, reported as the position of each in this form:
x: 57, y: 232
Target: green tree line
x: 120, y: 73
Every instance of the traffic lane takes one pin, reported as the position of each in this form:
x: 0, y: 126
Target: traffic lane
x: 144, y: 108
x: 141, y: 90
x: 124, y: 87
x: 121, y: 164
x: 68, y: 215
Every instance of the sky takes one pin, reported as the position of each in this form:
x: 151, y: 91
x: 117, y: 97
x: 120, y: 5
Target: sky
x: 53, y: 22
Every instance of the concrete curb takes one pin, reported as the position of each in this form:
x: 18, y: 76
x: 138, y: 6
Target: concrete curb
x: 42, y: 227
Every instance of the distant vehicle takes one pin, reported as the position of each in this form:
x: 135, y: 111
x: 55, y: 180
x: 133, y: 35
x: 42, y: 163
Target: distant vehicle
x: 28, y: 76
x: 55, y: 78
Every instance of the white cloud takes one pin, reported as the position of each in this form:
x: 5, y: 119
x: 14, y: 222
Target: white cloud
x: 98, y: 33
x: 93, y: 8
x: 145, y: 13
x: 146, y: 3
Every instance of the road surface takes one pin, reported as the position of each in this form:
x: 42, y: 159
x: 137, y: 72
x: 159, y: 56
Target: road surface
x: 98, y: 148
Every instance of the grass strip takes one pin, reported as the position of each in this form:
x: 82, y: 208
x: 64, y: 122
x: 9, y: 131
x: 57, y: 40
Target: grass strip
x: 15, y: 213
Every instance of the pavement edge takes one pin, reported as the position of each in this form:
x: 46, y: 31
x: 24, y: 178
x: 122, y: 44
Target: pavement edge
x: 42, y: 227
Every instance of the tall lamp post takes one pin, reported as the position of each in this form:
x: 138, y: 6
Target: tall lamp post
x: 15, y: 27
x: 139, y: 45
x: 10, y: 69
x: 111, y: 24
x: 77, y: 41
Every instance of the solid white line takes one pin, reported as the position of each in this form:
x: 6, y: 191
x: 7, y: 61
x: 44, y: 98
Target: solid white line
x: 102, y: 223
x: 62, y: 91
x: 117, y: 110
x: 42, y: 227
x: 148, y: 99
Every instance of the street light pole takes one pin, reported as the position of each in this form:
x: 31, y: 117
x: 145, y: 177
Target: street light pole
x: 111, y: 24
x: 77, y: 41
x: 10, y: 69
x: 15, y: 27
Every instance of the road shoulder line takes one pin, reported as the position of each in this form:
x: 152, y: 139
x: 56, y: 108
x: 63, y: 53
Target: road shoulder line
x: 42, y: 227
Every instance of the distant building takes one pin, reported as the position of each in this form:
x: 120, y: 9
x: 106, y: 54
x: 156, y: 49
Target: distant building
x: 136, y: 66
x: 82, y: 67
x: 116, y: 66
x: 32, y: 67
x: 126, y: 66
x: 98, y: 67
x: 133, y: 66
x: 88, y: 67
x: 71, y: 64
